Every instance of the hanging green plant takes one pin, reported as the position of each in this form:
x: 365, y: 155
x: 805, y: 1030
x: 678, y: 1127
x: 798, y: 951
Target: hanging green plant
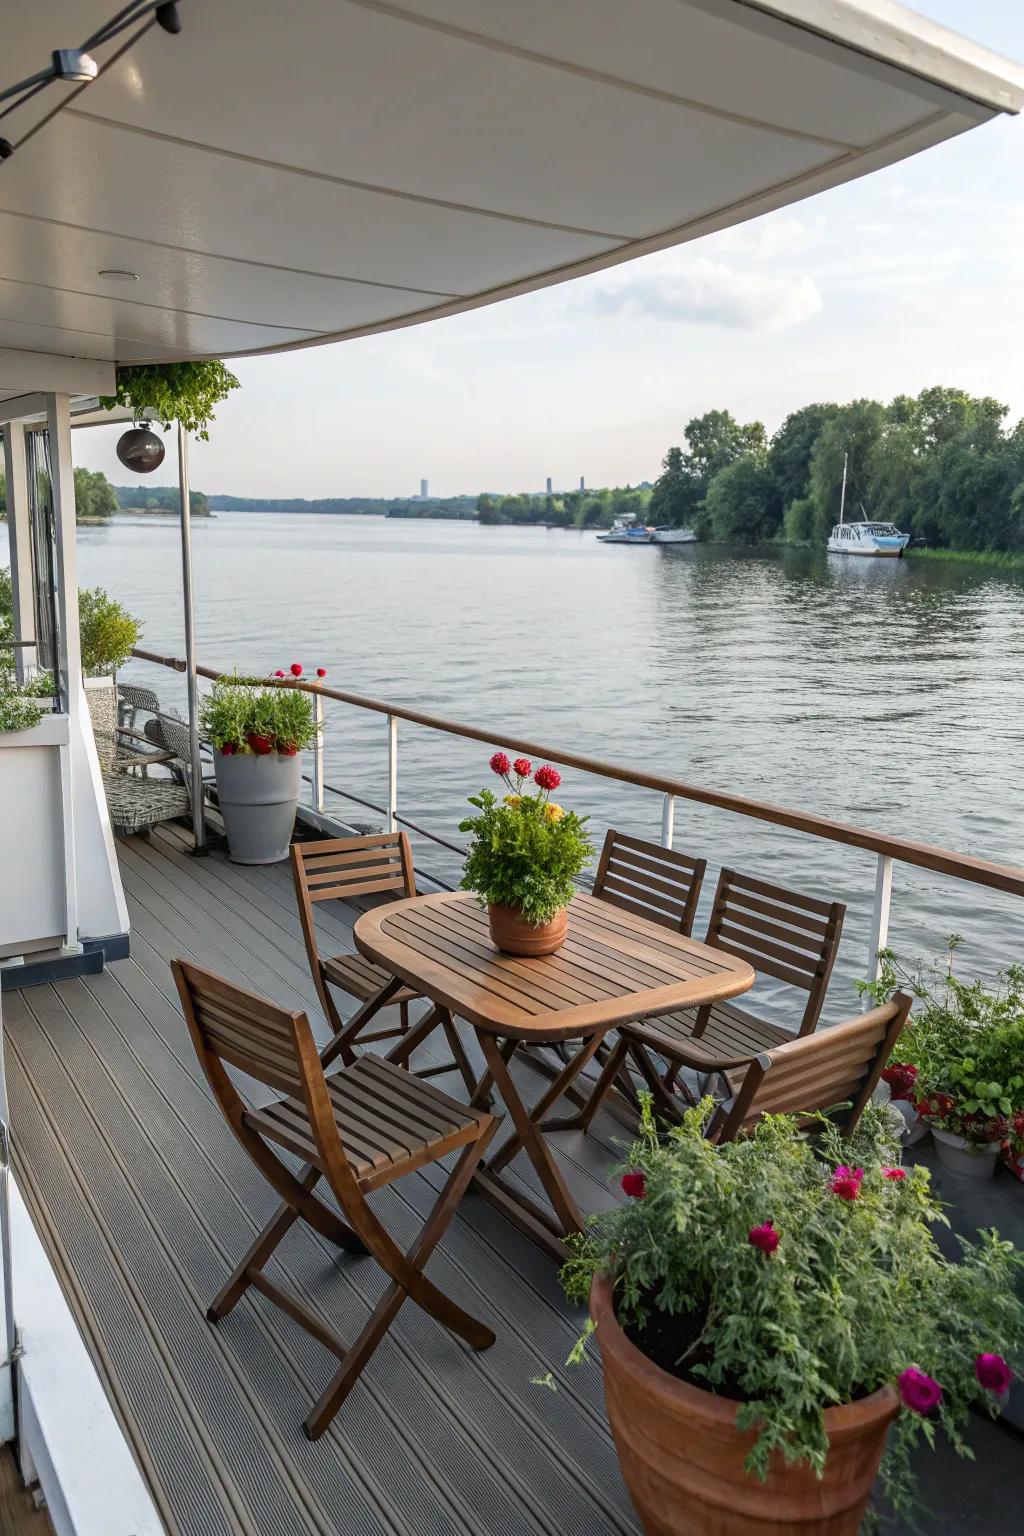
x: 185, y: 392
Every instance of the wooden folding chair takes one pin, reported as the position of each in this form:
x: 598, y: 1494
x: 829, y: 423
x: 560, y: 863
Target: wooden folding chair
x: 341, y: 869
x: 649, y: 880
x: 838, y: 1066
x: 362, y: 1128
x: 784, y: 934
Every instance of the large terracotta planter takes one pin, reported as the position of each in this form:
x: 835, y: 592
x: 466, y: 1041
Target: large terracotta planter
x: 515, y: 937
x: 682, y: 1455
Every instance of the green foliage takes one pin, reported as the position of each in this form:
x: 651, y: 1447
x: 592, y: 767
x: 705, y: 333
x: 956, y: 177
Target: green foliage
x: 94, y: 494
x: 856, y: 1291
x: 6, y: 603
x: 742, y: 506
x: 159, y: 498
x: 526, y: 851
x: 109, y: 633
x: 713, y: 441
x: 966, y: 1041
x: 250, y: 715
x: 583, y: 509
x: 185, y: 392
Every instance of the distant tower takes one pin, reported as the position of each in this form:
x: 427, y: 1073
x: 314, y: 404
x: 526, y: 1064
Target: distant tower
x: 549, y: 485
x: 423, y: 490
x: 582, y: 486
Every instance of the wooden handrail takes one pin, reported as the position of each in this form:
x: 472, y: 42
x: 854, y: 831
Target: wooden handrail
x: 960, y: 866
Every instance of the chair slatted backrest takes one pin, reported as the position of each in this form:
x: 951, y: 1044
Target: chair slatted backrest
x: 651, y: 881
x: 339, y: 868
x: 838, y: 1065
x: 783, y: 934
x: 242, y: 1028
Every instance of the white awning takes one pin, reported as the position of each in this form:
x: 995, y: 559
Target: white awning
x: 280, y: 175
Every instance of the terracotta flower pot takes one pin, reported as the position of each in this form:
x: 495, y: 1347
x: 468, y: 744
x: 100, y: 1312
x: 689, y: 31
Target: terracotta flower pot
x: 682, y: 1455
x: 516, y: 937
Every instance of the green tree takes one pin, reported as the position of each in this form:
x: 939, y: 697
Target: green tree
x: 742, y: 505
x: 851, y: 434
x: 792, y: 447
x: 94, y: 494
x: 677, y: 494
x: 716, y: 439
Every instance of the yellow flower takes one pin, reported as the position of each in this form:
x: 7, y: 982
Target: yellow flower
x: 553, y: 812
x: 513, y: 799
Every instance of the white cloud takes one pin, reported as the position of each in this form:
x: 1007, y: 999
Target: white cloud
x: 710, y: 293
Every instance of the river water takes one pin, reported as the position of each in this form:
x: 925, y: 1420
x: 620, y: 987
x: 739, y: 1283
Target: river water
x: 884, y: 693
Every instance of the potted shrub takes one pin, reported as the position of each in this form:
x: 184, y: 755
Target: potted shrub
x: 771, y: 1312
x: 109, y: 634
x: 257, y: 729
x: 963, y: 1059
x: 524, y: 858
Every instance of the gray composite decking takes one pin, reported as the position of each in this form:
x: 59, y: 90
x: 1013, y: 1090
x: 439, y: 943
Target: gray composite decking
x: 145, y: 1201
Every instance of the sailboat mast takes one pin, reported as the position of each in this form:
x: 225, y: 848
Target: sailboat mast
x: 842, y: 498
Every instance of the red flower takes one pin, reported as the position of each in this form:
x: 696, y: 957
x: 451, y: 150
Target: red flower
x: 764, y: 1237
x: 993, y: 1373
x: 523, y: 767
x: 500, y: 763
x: 982, y: 1128
x: 845, y: 1182
x: 901, y: 1077
x: 634, y: 1184
x: 896, y: 1175
x: 919, y: 1391
x: 1018, y: 1123
x: 261, y: 745
x: 228, y: 749
x: 296, y: 669
x: 287, y: 748
x: 279, y: 673
x: 936, y: 1106
x: 321, y: 671
x: 547, y: 777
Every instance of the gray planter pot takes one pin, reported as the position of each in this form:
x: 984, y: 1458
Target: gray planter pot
x: 257, y: 798
x: 972, y: 1160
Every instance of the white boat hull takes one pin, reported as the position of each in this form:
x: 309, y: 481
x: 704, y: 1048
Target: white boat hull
x: 674, y: 536
x: 877, y: 554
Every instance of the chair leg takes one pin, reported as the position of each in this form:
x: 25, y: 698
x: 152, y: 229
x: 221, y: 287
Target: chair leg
x: 403, y: 1017
x: 603, y: 1087
x: 458, y: 1050
x: 423, y: 1291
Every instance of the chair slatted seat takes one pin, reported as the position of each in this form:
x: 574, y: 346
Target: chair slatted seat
x: 377, y: 865
x: 367, y: 1125
x: 785, y: 934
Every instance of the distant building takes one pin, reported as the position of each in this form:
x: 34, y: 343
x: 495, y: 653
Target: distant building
x: 549, y: 485
x: 582, y: 486
x: 424, y: 490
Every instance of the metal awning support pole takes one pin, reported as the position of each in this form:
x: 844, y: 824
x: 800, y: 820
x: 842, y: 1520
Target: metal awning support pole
x: 8, y: 1334
x: 879, y: 919
x: 196, y: 765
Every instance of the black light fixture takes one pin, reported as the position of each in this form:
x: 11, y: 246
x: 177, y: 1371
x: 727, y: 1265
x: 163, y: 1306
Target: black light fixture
x: 140, y: 450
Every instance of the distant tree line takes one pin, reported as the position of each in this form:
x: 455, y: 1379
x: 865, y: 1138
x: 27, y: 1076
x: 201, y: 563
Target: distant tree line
x: 352, y: 506
x: 943, y: 466
x: 158, y: 498
x: 569, y: 509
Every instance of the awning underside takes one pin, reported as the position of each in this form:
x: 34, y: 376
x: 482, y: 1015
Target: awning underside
x: 282, y: 175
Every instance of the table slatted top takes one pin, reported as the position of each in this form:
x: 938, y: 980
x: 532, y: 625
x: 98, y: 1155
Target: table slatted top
x: 613, y: 968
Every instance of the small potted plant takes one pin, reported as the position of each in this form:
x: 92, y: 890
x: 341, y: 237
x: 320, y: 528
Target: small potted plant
x: 524, y: 858
x: 257, y: 728
x: 109, y: 634
x: 963, y: 1059
x: 776, y: 1323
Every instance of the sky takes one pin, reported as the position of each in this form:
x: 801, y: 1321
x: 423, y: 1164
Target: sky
x: 913, y: 276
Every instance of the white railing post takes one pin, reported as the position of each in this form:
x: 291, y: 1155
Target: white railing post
x: 392, y: 772
x: 879, y: 918
x: 668, y: 820
x: 318, y: 752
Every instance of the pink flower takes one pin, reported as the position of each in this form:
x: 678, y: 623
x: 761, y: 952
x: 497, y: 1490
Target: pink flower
x: 993, y: 1373
x: 523, y: 767
x: 279, y: 673
x: 547, y: 777
x: 228, y: 749
x: 296, y: 669
x: 764, y: 1237
x: 845, y: 1182
x: 634, y: 1184
x: 919, y: 1391
x: 321, y: 671
x: 896, y: 1175
x: 500, y: 763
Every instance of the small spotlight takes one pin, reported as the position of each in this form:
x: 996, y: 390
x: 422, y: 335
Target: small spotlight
x: 6, y: 149
x: 118, y: 275
x: 74, y: 65
x: 168, y: 18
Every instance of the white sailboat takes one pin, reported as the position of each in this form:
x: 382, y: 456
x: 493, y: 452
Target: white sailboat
x: 864, y: 538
